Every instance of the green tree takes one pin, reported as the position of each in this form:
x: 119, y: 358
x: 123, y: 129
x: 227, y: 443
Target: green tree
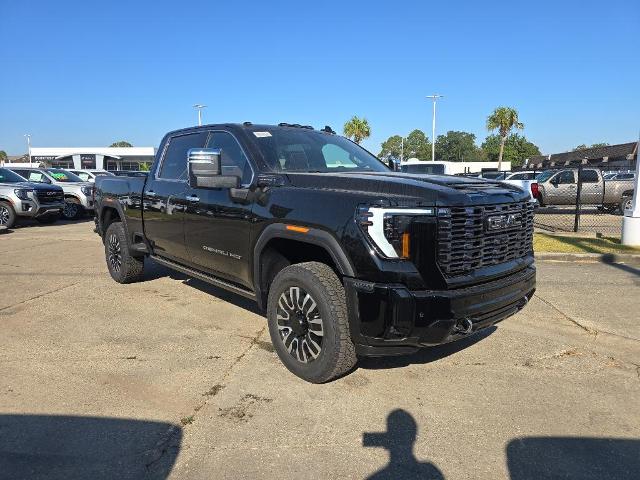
x: 145, y: 166
x: 3, y: 156
x: 582, y: 146
x: 391, y: 148
x: 357, y: 129
x: 503, y: 119
x: 121, y: 143
x: 457, y: 146
x: 417, y: 145
x: 515, y: 149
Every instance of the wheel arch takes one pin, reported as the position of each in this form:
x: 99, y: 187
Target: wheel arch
x: 273, y: 250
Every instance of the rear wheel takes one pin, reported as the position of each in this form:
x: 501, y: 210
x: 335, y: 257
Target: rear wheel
x: 72, y: 209
x: 123, y: 268
x: 7, y: 215
x: 308, y: 322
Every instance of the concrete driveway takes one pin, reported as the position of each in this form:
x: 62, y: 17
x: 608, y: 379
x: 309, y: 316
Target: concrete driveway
x: 172, y: 378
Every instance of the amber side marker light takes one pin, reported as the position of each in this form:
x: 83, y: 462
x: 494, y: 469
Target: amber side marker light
x: 405, y: 245
x: 294, y: 228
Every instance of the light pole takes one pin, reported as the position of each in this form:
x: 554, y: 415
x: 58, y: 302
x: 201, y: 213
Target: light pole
x: 434, y: 97
x: 28, y: 137
x: 199, y: 107
x: 401, y: 149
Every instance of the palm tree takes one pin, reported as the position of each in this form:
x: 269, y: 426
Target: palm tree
x: 357, y: 129
x: 504, y: 119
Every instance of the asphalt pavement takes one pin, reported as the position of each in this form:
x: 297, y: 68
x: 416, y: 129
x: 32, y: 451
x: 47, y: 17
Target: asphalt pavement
x: 172, y: 378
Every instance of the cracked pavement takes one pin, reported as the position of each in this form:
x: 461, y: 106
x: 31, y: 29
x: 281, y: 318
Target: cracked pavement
x: 172, y: 378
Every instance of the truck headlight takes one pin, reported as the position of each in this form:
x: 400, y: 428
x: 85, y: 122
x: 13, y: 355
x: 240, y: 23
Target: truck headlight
x: 22, y: 193
x: 88, y: 191
x: 388, y: 228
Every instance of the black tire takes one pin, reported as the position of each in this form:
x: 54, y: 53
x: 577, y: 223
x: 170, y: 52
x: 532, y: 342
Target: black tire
x: 123, y: 268
x: 315, y: 358
x: 625, y: 203
x: 72, y: 209
x: 8, y: 215
x: 48, y: 219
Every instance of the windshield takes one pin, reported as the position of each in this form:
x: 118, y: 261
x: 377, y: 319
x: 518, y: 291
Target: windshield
x: 544, y: 176
x: 304, y: 150
x: 436, y: 169
x: 63, y: 175
x: 7, y: 176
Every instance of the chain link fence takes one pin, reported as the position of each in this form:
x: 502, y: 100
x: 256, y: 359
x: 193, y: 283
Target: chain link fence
x: 584, y: 197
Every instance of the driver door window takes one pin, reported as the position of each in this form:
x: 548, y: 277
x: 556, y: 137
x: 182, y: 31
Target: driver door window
x: 234, y: 161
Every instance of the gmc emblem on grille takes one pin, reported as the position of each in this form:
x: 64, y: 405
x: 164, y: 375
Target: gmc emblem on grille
x: 500, y: 222
x: 52, y: 193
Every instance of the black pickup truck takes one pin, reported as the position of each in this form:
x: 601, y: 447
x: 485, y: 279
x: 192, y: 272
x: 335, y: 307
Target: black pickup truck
x: 347, y: 257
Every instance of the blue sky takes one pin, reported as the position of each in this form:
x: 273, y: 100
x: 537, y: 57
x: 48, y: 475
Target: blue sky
x: 90, y: 73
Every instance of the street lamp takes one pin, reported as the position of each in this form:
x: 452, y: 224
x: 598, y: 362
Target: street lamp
x: 28, y: 137
x: 199, y: 107
x: 434, y: 97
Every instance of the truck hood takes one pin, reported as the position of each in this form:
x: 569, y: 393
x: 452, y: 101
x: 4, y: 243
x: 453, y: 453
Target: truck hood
x: 32, y: 186
x: 74, y: 186
x: 445, y: 190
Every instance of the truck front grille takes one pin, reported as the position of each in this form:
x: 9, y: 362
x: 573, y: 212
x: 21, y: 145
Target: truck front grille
x: 49, y: 196
x: 470, y: 238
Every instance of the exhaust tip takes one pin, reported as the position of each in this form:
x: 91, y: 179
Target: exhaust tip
x: 464, y: 326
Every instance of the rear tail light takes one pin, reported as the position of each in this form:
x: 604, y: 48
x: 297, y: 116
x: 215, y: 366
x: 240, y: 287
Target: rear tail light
x: 534, y: 189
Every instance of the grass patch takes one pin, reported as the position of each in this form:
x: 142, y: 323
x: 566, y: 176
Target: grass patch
x: 543, y: 243
x: 187, y: 420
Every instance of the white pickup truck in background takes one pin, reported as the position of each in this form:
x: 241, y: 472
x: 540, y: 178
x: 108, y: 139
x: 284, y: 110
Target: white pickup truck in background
x: 526, y: 181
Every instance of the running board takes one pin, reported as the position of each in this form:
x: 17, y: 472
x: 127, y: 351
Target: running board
x: 213, y: 280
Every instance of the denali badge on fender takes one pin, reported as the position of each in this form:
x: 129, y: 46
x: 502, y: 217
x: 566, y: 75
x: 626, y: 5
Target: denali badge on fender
x: 499, y: 222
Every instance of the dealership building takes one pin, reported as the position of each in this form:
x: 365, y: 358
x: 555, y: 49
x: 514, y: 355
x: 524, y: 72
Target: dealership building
x: 105, y: 158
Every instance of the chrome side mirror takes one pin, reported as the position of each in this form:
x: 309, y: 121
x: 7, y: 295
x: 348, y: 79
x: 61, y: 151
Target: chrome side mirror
x: 205, y: 169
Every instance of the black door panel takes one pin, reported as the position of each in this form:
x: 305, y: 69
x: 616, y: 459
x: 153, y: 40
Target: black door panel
x: 217, y: 228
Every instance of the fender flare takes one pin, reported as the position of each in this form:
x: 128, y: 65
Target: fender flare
x: 313, y: 236
x: 115, y: 205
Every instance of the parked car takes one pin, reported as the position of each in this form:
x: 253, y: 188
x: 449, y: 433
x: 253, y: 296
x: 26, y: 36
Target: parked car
x: 526, y: 181
x: 560, y: 187
x: 78, y: 195
x: 128, y: 173
x: 494, y: 175
x: 87, y: 175
x: 20, y: 198
x: 346, y: 257
x: 621, y: 176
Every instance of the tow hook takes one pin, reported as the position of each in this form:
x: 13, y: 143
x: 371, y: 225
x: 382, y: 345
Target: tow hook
x: 464, y: 326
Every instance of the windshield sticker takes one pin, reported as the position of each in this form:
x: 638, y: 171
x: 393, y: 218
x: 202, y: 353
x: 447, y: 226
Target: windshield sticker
x: 59, y: 176
x: 262, y: 134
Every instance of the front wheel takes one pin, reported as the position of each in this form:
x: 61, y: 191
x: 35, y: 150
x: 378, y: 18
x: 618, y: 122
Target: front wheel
x: 123, y: 268
x: 72, y: 210
x: 308, y: 322
x: 7, y: 215
x: 626, y: 204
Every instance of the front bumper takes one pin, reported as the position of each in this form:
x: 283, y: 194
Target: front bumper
x: 33, y: 209
x: 389, y: 319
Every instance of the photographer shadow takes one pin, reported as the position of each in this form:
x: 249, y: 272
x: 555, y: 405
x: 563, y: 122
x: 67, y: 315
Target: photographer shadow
x: 398, y: 440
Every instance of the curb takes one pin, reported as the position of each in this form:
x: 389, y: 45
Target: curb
x: 627, y: 258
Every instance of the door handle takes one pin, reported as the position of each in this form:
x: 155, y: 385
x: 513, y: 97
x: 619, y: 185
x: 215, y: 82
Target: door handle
x: 193, y: 198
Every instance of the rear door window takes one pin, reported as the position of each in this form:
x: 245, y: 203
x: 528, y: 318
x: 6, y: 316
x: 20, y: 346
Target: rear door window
x: 566, y: 177
x: 174, y: 162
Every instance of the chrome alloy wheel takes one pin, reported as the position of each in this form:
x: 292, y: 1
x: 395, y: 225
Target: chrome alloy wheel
x: 115, y: 254
x: 4, y: 215
x: 299, y: 324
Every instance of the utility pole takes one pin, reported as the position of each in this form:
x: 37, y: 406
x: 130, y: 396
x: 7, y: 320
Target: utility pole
x: 28, y: 137
x: 434, y: 97
x: 401, y: 149
x: 199, y: 107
